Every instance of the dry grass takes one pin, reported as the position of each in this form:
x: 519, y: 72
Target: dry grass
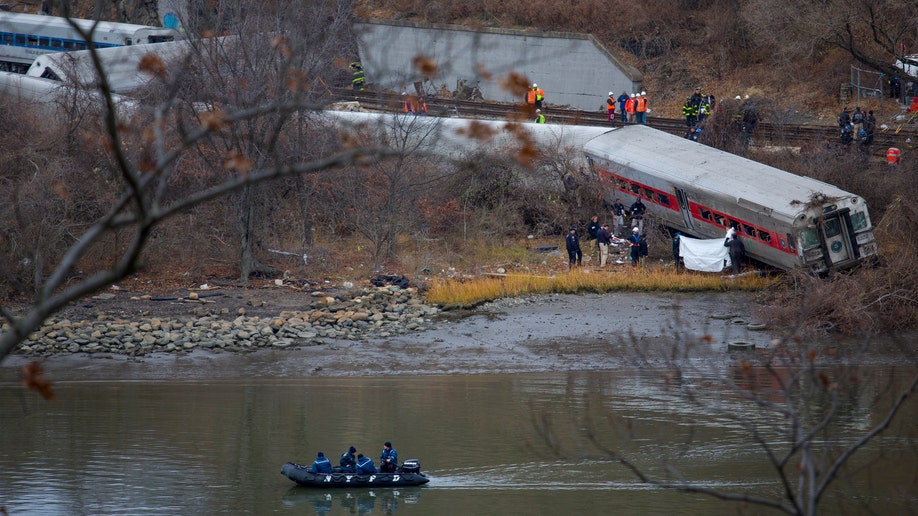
x: 466, y: 293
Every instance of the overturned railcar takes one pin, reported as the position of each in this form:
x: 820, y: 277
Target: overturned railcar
x: 787, y: 221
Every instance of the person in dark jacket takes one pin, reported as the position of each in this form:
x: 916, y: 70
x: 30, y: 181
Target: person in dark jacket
x: 388, y: 459
x: 574, y: 253
x: 604, y: 238
x: 635, y: 241
x: 321, y: 464
x: 676, y: 243
x: 593, y: 231
x: 737, y: 251
x: 348, y: 462
x: 365, y: 465
x: 621, y: 106
x: 637, y: 210
x: 618, y: 217
x: 593, y: 228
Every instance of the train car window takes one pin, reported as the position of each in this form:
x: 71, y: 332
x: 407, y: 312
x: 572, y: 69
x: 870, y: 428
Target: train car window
x: 720, y: 219
x: 622, y: 184
x: 44, y: 42
x: 664, y: 199
x: 32, y: 41
x: 783, y: 243
x: 79, y: 45
x: 7, y: 39
x: 706, y: 215
x: 858, y: 221
x: 635, y: 189
x: 749, y: 230
x: 56, y: 43
x: 808, y: 238
x: 765, y: 236
x: 20, y: 39
x: 832, y: 228
x: 649, y: 194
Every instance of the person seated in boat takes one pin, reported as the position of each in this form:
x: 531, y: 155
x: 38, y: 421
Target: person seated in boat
x: 388, y: 460
x: 365, y: 465
x: 348, y: 462
x: 321, y: 464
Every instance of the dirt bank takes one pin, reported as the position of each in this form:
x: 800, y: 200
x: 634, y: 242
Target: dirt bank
x: 540, y: 333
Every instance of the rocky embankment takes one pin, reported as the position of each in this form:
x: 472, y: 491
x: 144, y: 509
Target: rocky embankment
x: 370, y: 312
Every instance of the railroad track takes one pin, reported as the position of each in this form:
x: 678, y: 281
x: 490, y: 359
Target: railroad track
x: 768, y: 134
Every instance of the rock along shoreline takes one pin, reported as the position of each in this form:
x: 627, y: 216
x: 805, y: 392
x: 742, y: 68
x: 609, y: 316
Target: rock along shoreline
x: 370, y: 312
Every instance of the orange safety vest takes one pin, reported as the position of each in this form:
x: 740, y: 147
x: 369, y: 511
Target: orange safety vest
x: 629, y: 105
x: 531, y: 96
x: 892, y: 156
x: 610, y: 104
x: 641, y: 105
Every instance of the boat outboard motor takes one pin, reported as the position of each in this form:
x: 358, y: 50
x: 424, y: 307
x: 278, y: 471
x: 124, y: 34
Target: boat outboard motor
x: 410, y: 466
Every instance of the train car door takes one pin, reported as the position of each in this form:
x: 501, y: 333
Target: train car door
x: 684, y: 207
x: 837, y: 240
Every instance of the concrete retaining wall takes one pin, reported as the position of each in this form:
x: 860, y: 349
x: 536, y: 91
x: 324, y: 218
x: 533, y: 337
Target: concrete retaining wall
x: 574, y: 69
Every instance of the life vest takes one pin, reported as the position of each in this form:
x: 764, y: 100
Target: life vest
x: 610, y: 104
x: 892, y: 156
x: 641, y: 105
x: 539, y: 95
x: 629, y: 105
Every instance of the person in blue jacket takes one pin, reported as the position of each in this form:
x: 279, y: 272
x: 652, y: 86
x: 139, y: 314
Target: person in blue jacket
x: 348, y: 462
x: 365, y: 465
x: 388, y: 459
x: 621, y: 106
x: 321, y: 464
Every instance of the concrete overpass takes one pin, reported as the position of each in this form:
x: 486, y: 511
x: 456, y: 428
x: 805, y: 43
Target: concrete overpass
x: 575, y: 70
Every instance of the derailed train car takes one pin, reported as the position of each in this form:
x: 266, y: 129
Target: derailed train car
x: 23, y: 37
x: 787, y: 221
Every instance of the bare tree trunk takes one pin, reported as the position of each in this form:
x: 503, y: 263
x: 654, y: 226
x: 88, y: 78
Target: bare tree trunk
x: 302, y: 195
x: 245, y: 213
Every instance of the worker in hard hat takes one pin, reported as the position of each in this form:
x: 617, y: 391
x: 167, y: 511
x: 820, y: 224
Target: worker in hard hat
x: 535, y: 96
x: 610, y: 106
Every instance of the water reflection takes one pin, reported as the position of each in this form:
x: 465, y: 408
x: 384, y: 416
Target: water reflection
x: 217, y: 446
x: 358, y: 501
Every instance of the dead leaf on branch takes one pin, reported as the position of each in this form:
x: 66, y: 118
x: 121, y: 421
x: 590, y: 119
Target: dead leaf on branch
x: 214, y: 120
x: 238, y: 164
x: 32, y: 376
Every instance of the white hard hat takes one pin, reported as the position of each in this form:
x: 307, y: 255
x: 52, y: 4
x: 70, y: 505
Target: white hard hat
x: 633, y: 95
x: 738, y: 97
x: 538, y: 110
x: 610, y: 94
x: 534, y: 85
x: 634, y: 230
x: 643, y: 93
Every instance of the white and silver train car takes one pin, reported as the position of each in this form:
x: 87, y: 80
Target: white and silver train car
x: 23, y: 37
x: 787, y: 221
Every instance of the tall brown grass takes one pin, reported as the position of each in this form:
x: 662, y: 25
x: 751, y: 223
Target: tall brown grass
x: 467, y: 293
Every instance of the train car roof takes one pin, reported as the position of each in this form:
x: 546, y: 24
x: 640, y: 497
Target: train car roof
x: 680, y: 160
x: 120, y: 63
x: 451, y: 137
x: 10, y: 21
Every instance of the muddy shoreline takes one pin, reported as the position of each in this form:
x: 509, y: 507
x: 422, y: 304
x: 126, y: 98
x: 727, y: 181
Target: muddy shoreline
x: 531, y: 334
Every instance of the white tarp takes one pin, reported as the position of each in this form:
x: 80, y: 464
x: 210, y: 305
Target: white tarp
x: 703, y: 255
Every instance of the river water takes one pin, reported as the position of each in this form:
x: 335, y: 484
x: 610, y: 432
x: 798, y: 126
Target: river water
x: 216, y: 446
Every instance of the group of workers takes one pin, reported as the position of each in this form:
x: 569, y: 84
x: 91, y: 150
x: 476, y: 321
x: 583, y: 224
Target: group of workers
x: 359, y: 464
x: 633, y: 108
x: 636, y: 240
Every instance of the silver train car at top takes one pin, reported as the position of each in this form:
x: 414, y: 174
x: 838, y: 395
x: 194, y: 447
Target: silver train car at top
x: 23, y: 37
x: 786, y: 221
